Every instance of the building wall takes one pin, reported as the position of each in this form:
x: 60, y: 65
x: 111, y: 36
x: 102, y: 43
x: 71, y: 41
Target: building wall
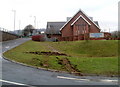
x: 7, y: 36
x: 57, y: 36
x: 80, y: 27
x: 67, y: 30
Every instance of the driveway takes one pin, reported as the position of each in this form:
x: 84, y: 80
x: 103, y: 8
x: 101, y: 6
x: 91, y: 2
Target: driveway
x: 16, y: 74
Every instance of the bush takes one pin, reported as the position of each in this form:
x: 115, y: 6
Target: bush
x: 38, y: 38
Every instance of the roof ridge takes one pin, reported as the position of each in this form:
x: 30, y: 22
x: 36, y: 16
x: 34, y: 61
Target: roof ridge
x: 79, y: 18
x: 69, y: 20
x: 74, y: 16
x: 90, y: 19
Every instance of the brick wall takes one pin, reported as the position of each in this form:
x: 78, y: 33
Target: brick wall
x: 68, y: 30
x: 4, y: 36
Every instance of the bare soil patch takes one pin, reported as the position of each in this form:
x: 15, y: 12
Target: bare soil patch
x: 47, y: 53
x: 68, y: 66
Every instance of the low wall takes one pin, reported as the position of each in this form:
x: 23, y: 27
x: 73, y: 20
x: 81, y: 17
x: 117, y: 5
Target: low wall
x: 4, y: 36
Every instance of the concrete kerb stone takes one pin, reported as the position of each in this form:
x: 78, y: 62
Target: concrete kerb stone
x: 40, y: 68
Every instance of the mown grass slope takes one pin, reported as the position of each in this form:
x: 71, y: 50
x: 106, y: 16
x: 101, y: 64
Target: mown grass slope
x: 89, y: 57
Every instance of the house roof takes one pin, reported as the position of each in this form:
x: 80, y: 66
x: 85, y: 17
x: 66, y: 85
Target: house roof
x: 79, y: 18
x: 96, y: 22
x: 54, y: 27
x: 74, y: 16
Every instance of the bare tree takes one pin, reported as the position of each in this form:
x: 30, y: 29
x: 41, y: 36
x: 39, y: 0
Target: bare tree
x: 28, y: 29
x: 116, y: 34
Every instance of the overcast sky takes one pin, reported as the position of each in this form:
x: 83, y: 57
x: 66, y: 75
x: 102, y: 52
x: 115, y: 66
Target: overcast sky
x: 104, y: 11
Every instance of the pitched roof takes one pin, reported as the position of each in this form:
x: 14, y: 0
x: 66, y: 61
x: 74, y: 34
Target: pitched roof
x: 96, y: 22
x: 79, y: 18
x: 74, y: 16
x: 54, y: 27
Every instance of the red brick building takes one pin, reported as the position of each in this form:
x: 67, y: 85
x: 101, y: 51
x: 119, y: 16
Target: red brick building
x: 77, y: 28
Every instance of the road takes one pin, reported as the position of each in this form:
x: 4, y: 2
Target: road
x: 16, y: 74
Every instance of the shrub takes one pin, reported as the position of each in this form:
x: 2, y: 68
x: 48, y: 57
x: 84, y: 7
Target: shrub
x: 38, y: 38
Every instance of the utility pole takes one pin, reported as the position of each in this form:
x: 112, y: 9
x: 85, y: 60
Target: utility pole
x: 19, y: 26
x: 35, y: 21
x: 14, y: 18
x: 109, y: 30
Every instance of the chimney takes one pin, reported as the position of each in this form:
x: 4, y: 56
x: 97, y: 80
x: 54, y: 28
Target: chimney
x: 91, y: 18
x: 68, y: 18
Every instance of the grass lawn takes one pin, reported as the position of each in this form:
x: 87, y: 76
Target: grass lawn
x: 88, y: 57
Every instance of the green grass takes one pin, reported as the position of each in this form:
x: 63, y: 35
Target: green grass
x: 90, y: 57
x: 90, y: 48
x: 97, y: 65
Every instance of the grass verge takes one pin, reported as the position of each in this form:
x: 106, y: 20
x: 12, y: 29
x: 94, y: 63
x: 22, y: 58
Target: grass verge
x: 92, y: 57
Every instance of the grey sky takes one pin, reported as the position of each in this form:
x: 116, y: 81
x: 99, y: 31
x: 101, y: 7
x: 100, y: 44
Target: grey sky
x: 104, y: 11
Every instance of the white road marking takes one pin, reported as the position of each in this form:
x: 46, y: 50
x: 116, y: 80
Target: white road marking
x: 107, y: 80
x: 72, y: 78
x: 100, y: 80
x: 15, y: 83
x: 7, y: 47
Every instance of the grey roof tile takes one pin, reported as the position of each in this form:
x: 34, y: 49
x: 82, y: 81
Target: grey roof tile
x: 54, y: 27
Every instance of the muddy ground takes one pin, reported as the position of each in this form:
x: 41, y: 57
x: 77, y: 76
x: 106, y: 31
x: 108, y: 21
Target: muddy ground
x: 62, y: 61
x: 47, y: 53
x: 68, y: 66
